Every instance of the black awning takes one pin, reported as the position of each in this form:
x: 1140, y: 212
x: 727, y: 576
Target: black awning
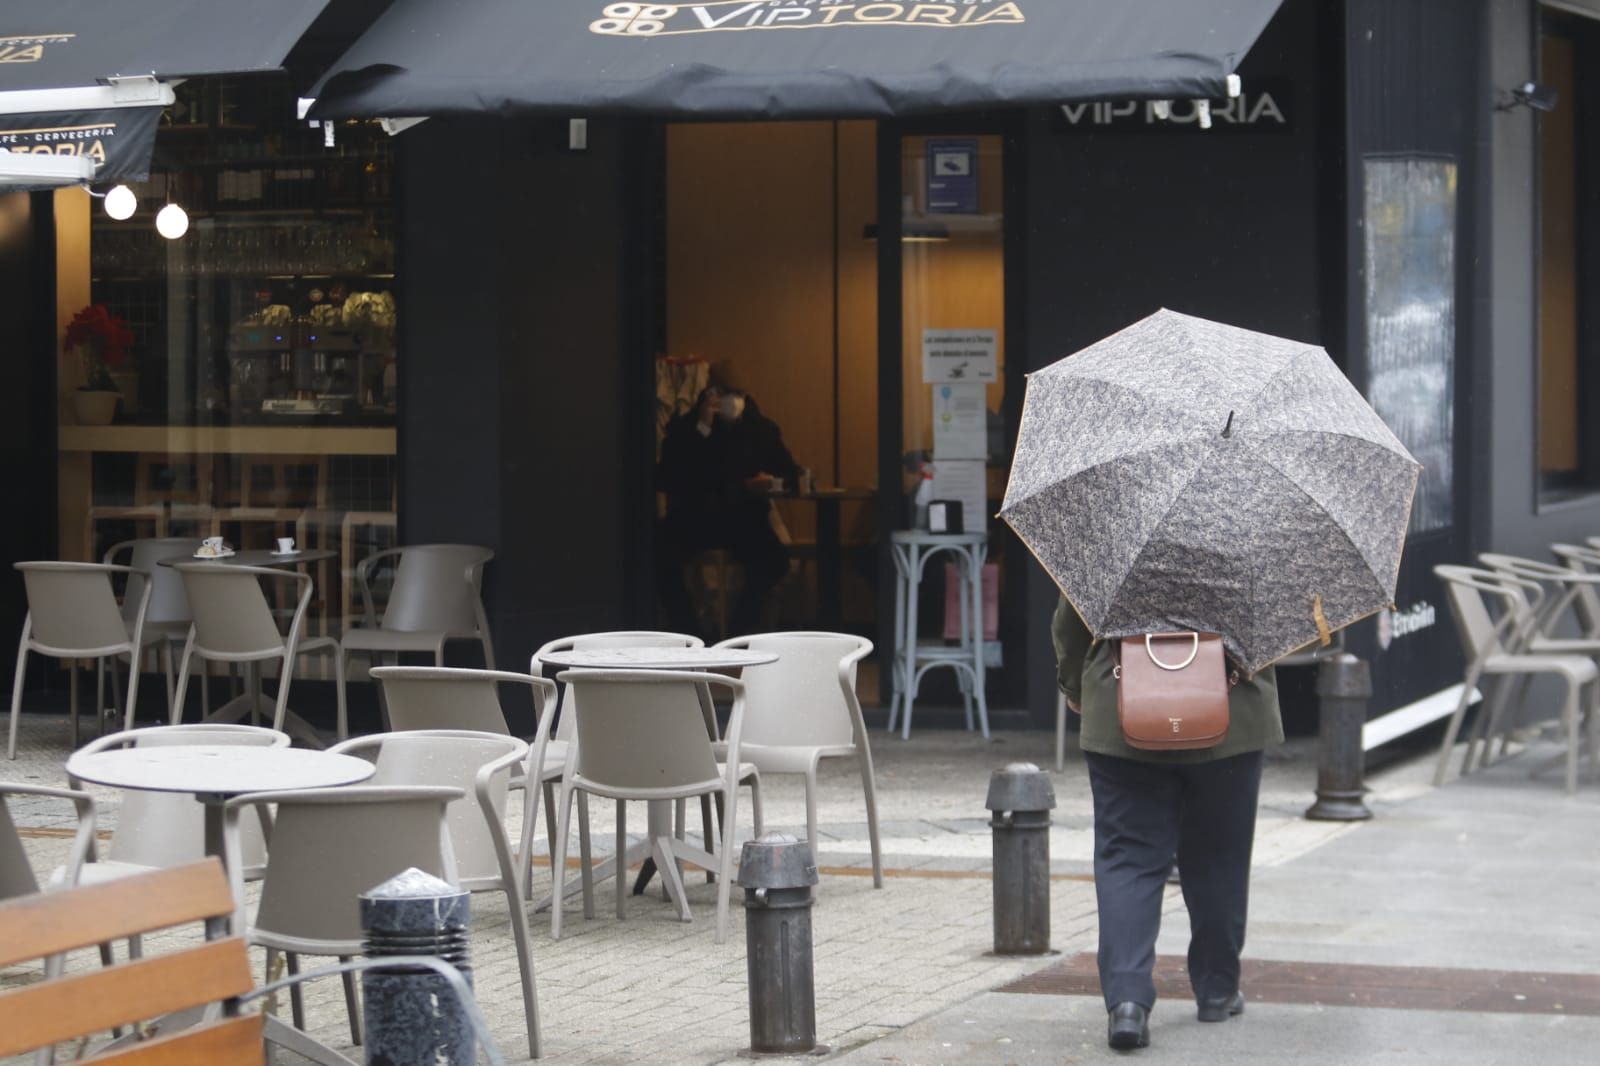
x: 57, y: 44
x: 783, y: 58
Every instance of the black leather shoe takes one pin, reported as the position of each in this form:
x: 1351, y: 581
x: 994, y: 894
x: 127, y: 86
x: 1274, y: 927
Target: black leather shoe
x: 1220, y: 1010
x: 1128, y: 1026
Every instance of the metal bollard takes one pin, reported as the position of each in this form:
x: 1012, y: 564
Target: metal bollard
x: 777, y: 873
x: 411, y: 1016
x: 1344, y: 685
x: 1021, y: 797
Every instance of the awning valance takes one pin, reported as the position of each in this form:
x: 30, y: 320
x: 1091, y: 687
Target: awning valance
x: 783, y: 58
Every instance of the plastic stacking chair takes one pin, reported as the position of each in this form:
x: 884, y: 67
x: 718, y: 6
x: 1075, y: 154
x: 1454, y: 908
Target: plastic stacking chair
x: 167, y: 620
x: 437, y: 596
x: 1586, y: 600
x: 639, y: 736
x: 234, y: 623
x: 329, y: 845
x: 803, y: 709
x: 555, y: 760
x: 156, y: 830
x: 1491, y: 647
x: 481, y: 765
x: 447, y: 698
x: 73, y: 614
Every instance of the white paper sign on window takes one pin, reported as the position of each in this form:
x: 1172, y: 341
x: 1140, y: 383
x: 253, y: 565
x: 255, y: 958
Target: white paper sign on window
x: 960, y: 422
x: 959, y: 355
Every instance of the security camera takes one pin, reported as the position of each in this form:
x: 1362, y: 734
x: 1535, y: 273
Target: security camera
x: 1532, y: 94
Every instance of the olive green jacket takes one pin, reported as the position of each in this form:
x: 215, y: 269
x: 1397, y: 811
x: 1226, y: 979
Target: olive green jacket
x: 1084, y: 671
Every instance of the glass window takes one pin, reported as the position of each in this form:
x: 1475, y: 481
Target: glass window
x: 250, y: 361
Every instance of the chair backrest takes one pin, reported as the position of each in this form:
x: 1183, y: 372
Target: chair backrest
x: 436, y: 589
x: 622, y: 638
x: 1481, y: 633
x: 453, y: 758
x: 1585, y: 561
x: 65, y: 1008
x: 16, y: 872
x: 168, y: 602
x: 232, y: 617
x: 442, y: 697
x: 72, y: 606
x: 168, y: 828
x: 329, y: 845
x: 808, y: 697
x: 642, y: 729
x: 17, y: 877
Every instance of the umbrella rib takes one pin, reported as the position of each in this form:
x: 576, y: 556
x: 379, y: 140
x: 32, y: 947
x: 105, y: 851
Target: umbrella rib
x: 1119, y: 457
x: 1089, y: 375
x: 1289, y: 364
x: 1268, y: 434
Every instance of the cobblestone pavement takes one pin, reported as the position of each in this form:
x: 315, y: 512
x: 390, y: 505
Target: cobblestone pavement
x: 653, y: 989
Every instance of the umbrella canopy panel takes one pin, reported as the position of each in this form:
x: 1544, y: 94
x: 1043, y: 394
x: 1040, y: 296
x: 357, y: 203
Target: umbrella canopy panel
x: 54, y: 44
x: 1184, y: 474
x: 783, y: 58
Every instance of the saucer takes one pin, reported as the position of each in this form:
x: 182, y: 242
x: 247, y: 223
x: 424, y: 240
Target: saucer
x: 219, y: 555
x: 295, y: 551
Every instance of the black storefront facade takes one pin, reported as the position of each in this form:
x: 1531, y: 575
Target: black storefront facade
x: 530, y: 274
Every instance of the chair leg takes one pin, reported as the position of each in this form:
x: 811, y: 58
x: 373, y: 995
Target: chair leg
x: 725, y: 867
x: 755, y: 809
x: 811, y: 811
x: 869, y: 786
x: 297, y: 998
x: 621, y: 860
x: 16, y: 692
x: 530, y: 988
x: 133, y: 687
x: 1494, y: 705
x: 338, y: 682
x: 1454, y: 727
x: 176, y: 715
x: 72, y: 697
x: 586, y: 869
x: 707, y: 834
x: 165, y: 651
x: 558, y: 864
x: 352, y: 1003
x: 100, y: 694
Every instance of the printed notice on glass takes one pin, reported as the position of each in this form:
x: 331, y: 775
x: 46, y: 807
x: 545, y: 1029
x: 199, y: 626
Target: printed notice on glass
x: 960, y: 421
x: 966, y: 481
x: 958, y: 355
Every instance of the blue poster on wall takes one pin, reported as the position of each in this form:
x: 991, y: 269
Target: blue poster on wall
x: 952, y: 170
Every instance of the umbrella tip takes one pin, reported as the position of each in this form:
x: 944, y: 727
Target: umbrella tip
x: 1227, y: 430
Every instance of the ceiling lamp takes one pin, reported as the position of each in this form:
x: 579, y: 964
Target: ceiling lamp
x: 121, y: 203
x: 172, y: 222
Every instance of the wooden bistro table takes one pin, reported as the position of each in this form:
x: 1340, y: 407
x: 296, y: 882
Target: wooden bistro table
x: 651, y: 850
x: 251, y: 703
x: 215, y: 774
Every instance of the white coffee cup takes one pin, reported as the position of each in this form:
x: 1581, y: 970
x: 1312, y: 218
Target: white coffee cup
x: 213, y: 544
x: 285, y: 545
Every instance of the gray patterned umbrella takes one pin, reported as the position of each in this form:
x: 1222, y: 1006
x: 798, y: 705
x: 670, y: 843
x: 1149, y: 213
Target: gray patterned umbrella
x: 1184, y: 474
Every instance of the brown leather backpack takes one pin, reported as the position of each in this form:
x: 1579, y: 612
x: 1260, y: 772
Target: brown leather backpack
x: 1172, y: 691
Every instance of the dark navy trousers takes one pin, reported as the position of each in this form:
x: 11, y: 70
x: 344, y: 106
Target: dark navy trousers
x: 1145, y: 814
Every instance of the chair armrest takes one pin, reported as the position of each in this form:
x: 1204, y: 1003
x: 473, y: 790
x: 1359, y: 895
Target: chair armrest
x: 451, y: 976
x: 364, y: 580
x: 116, y: 549
x: 83, y: 805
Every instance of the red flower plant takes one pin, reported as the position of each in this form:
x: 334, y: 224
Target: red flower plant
x: 104, y: 338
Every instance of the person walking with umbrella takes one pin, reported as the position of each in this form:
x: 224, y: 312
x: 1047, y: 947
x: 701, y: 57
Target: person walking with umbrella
x: 1181, y: 481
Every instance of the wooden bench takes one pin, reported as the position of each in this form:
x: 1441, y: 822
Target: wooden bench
x: 216, y: 971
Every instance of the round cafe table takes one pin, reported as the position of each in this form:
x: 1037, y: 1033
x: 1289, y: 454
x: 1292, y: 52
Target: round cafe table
x: 256, y: 557
x: 659, y: 845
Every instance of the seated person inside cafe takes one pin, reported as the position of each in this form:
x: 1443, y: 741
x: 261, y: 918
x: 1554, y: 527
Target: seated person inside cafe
x: 720, y: 463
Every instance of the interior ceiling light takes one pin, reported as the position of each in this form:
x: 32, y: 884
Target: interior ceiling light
x: 172, y: 222
x: 121, y: 203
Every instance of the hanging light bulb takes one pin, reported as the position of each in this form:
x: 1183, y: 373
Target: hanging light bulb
x: 172, y: 222
x: 121, y: 203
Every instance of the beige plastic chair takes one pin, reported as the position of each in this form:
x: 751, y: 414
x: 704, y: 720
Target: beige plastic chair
x: 482, y: 765
x: 1491, y: 647
x: 555, y: 761
x: 449, y: 698
x: 803, y: 709
x: 167, y: 620
x: 73, y: 614
x: 1586, y: 601
x: 234, y: 623
x: 156, y: 830
x: 638, y: 736
x: 437, y: 596
x: 309, y: 896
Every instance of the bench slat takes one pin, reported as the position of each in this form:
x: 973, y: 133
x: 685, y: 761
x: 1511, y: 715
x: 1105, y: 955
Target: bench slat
x: 48, y: 923
x: 68, y: 1007
x: 229, y: 1042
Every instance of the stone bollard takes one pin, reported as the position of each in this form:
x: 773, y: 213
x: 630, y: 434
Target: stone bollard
x: 777, y: 873
x: 411, y: 1015
x: 1021, y: 797
x: 1344, y: 685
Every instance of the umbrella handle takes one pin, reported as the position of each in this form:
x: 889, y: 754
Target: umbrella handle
x: 1150, y: 650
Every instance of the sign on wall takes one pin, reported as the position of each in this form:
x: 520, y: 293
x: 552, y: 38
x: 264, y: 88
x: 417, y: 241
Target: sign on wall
x: 1410, y: 226
x: 1265, y: 105
x: 959, y: 355
x: 952, y: 171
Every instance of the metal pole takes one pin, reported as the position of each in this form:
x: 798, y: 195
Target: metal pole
x: 1344, y: 686
x: 1021, y: 799
x: 411, y: 1016
x: 777, y: 873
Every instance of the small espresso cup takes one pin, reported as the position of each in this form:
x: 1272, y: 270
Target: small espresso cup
x: 777, y: 484
x: 213, y: 544
x: 285, y: 545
